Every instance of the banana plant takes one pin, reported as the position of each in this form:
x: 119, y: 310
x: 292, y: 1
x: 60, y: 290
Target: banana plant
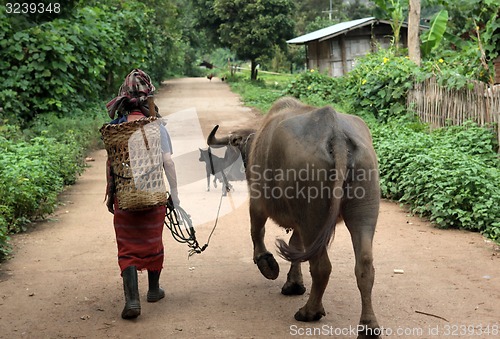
x: 432, y: 37
x: 395, y: 11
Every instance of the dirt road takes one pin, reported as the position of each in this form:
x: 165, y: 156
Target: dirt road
x: 63, y: 280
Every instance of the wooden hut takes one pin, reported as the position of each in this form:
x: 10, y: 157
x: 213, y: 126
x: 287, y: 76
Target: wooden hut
x: 333, y: 50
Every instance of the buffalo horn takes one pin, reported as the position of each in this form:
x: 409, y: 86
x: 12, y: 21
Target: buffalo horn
x: 213, y: 141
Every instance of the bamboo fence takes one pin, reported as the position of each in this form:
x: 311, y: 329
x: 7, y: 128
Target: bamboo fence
x: 439, y: 106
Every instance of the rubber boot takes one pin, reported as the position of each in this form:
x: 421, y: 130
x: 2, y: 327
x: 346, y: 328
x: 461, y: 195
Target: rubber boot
x: 155, y: 293
x: 132, y: 307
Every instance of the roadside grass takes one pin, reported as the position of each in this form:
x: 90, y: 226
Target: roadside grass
x: 261, y: 93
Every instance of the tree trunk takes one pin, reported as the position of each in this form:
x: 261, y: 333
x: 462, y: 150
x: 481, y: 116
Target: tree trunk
x: 413, y: 31
x: 253, y: 66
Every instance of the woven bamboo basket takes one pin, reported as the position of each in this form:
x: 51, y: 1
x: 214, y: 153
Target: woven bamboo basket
x: 134, y: 151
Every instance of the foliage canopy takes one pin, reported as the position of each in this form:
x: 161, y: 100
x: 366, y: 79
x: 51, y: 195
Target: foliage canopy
x: 56, y: 65
x: 251, y: 29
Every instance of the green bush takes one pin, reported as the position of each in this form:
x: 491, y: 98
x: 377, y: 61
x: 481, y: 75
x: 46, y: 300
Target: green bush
x: 314, y: 84
x: 80, y: 128
x: 49, y: 66
x: 4, y: 238
x: 450, y: 175
x: 319, y: 90
x: 35, y: 171
x: 30, y: 179
x: 379, y: 84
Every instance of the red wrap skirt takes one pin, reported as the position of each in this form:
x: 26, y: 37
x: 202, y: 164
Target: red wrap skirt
x: 139, y: 238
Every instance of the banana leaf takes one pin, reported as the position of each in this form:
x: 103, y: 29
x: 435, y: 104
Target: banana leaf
x: 432, y: 38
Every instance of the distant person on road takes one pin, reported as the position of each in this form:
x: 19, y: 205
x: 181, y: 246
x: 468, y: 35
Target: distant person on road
x: 139, y: 233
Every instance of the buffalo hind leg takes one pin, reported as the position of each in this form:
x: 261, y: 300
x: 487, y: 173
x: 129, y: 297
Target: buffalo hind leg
x: 320, y: 268
x: 294, y: 282
x: 265, y: 261
x: 362, y: 229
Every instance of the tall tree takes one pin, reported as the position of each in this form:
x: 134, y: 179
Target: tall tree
x: 413, y: 31
x: 251, y: 28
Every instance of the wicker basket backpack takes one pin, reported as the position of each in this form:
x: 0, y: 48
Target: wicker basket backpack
x: 134, y: 151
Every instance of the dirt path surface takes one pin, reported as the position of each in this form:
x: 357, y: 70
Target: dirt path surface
x: 63, y: 280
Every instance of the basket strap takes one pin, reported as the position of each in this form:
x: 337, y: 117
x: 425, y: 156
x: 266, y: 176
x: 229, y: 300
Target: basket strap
x: 151, y: 104
x: 144, y: 137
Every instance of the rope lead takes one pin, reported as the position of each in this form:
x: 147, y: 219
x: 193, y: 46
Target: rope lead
x: 180, y: 225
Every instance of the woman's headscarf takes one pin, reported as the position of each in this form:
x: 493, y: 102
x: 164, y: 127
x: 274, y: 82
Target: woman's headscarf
x: 134, y: 92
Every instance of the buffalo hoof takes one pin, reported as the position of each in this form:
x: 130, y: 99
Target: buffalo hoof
x: 293, y: 289
x: 302, y: 315
x: 369, y: 330
x: 268, y: 266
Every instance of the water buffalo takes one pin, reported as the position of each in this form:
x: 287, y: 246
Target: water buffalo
x: 307, y: 168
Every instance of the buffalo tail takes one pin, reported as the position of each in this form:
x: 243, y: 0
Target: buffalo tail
x: 325, y: 236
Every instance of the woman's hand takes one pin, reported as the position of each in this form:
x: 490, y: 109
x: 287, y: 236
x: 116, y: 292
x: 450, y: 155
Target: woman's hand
x: 110, y: 204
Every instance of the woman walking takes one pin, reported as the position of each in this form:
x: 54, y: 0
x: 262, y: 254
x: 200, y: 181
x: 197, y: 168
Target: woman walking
x: 139, y: 233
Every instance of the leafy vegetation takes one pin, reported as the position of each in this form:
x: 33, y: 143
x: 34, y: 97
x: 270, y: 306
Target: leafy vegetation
x: 56, y: 65
x: 450, y: 176
x: 377, y: 86
x: 392, y: 9
x: 432, y: 37
x: 34, y: 170
x: 37, y: 163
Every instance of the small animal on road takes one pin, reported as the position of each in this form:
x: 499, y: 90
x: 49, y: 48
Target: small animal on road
x: 224, y: 169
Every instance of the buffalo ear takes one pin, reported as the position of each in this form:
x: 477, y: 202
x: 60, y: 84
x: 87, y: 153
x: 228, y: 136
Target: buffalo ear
x: 235, y: 140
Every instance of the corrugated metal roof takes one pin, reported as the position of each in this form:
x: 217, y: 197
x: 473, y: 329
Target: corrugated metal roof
x: 330, y: 32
